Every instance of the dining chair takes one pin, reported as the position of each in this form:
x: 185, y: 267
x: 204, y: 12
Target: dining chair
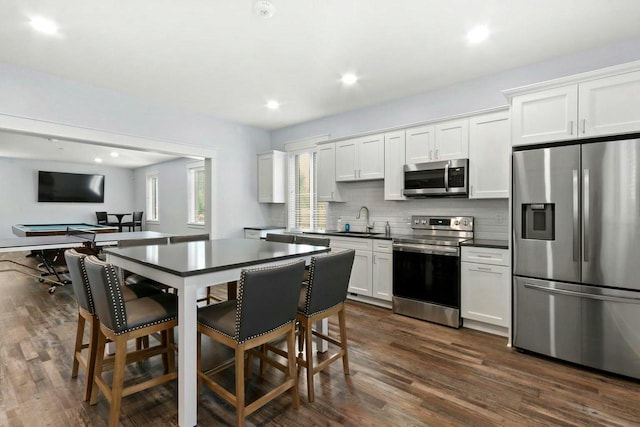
x: 264, y: 310
x: 121, y: 321
x: 87, y: 315
x: 136, y: 221
x: 102, y: 218
x: 283, y: 238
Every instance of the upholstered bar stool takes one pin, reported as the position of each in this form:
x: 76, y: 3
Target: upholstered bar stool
x: 87, y: 315
x: 121, y: 321
x: 313, y: 241
x: 322, y: 297
x: 265, y: 310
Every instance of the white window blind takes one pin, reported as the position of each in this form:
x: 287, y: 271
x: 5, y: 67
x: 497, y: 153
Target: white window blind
x: 152, y: 196
x: 196, y: 193
x: 304, y: 210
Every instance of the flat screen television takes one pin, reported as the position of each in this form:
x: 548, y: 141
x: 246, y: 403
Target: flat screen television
x: 70, y: 187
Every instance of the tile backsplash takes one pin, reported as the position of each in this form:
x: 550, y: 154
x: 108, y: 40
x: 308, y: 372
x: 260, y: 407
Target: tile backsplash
x: 491, y: 216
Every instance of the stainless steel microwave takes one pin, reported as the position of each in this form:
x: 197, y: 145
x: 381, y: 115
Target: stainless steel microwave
x: 437, y: 179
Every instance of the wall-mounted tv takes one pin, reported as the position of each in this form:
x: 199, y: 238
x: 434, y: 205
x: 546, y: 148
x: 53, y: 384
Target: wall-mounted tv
x: 70, y: 187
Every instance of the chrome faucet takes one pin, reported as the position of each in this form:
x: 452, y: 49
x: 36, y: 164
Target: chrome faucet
x: 369, y: 228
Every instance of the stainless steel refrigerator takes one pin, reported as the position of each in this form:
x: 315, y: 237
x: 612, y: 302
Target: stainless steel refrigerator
x: 576, y: 230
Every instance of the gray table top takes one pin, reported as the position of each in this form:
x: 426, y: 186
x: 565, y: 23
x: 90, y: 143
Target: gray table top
x: 192, y: 258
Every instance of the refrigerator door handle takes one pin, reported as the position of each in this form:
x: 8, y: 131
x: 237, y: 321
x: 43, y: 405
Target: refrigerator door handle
x: 576, y: 219
x: 630, y: 300
x: 586, y: 213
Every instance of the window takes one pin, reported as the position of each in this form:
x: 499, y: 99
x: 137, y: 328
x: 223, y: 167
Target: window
x: 152, y: 196
x: 196, y: 193
x: 305, y: 212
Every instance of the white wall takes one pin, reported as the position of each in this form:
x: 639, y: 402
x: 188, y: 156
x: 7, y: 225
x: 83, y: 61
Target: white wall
x: 19, y: 194
x: 32, y: 94
x: 473, y: 95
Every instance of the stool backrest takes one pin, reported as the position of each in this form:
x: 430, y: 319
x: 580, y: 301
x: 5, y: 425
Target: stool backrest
x: 142, y: 242
x: 267, y: 299
x: 313, y: 241
x: 79, y: 279
x: 189, y: 238
x: 104, y: 282
x: 328, y: 281
x: 283, y: 238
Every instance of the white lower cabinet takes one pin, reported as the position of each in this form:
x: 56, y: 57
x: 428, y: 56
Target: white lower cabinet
x: 485, y: 289
x: 372, y: 270
x: 382, y: 269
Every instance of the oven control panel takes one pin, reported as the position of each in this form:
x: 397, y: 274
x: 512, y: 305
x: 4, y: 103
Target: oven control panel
x: 459, y: 223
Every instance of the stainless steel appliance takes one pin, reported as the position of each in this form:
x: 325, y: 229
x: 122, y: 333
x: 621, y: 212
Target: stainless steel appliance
x: 576, y: 230
x: 445, y: 178
x: 426, y: 269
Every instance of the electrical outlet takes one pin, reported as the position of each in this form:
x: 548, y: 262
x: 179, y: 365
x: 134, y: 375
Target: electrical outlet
x: 501, y: 218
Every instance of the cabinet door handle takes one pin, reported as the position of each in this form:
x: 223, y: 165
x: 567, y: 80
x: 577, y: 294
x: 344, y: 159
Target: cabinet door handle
x: 359, y: 173
x: 430, y: 154
x: 584, y: 126
x: 355, y: 173
x: 374, y: 259
x: 332, y: 195
x: 570, y: 127
x: 484, y: 268
x: 437, y: 153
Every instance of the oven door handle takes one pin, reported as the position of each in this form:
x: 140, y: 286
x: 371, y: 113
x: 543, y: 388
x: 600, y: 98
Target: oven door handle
x: 422, y: 249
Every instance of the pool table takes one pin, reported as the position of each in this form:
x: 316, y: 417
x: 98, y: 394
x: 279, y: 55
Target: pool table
x: 26, y: 230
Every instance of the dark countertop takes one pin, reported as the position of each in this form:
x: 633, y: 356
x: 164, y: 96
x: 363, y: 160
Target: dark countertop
x: 336, y: 233
x: 266, y: 227
x: 208, y: 256
x: 486, y: 243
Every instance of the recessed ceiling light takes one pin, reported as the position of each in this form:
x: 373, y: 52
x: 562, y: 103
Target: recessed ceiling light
x: 114, y: 154
x: 97, y: 160
x: 478, y: 34
x: 44, y: 25
x: 349, y: 79
x: 273, y: 105
x: 264, y: 8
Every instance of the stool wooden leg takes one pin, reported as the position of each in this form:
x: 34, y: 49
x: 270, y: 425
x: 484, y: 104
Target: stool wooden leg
x: 309, y: 356
x: 343, y: 341
x: 291, y: 347
x: 171, y: 355
x: 118, y: 381
x: 100, y: 348
x: 94, y: 332
x: 78, y: 346
x: 240, y: 385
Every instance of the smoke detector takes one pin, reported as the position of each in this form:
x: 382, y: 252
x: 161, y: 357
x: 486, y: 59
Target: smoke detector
x: 264, y: 9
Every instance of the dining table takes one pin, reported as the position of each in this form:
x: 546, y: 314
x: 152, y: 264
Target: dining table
x: 190, y: 266
x: 120, y: 217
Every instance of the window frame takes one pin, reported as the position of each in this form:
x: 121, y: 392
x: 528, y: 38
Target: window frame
x: 192, y: 169
x: 292, y: 223
x: 152, y: 201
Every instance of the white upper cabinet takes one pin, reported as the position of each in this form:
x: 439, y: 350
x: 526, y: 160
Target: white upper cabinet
x: 549, y: 115
x: 271, y: 172
x: 394, y: 156
x: 489, y: 154
x: 326, y: 186
x: 452, y: 140
x: 360, y: 158
x: 589, y: 108
x: 441, y: 141
x: 609, y: 106
x: 419, y: 144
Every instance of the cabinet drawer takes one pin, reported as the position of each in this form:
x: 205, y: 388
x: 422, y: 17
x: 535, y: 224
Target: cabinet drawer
x: 351, y: 243
x: 485, y: 255
x: 382, y: 246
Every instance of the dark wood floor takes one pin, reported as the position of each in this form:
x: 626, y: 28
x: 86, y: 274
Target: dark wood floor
x: 404, y: 372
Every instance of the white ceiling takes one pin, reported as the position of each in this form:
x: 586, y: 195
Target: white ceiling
x: 219, y: 58
x: 21, y: 146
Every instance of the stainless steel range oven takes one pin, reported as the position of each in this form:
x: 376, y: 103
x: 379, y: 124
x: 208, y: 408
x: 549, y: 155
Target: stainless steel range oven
x: 426, y: 269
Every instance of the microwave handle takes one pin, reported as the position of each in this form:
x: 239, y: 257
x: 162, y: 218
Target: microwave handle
x: 446, y: 177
